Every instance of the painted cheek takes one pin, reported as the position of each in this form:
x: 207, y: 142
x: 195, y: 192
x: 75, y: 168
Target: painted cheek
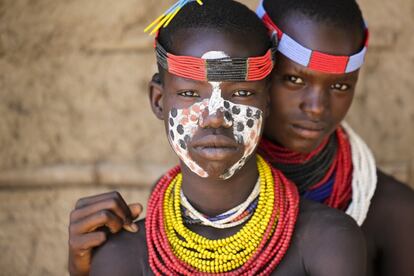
x: 184, y: 121
x: 247, y: 124
x: 182, y: 124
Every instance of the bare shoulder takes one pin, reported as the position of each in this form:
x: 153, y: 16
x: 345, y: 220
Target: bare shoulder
x: 393, y: 203
x: 122, y: 254
x: 319, y: 215
x: 392, y: 195
x: 331, y: 242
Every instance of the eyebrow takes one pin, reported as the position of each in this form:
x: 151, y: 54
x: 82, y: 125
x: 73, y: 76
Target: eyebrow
x: 299, y: 69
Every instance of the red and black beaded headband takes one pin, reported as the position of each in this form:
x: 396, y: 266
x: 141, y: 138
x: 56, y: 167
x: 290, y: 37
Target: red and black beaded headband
x: 220, y: 69
x: 309, y: 58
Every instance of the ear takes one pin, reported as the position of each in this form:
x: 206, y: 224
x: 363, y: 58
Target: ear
x: 155, y: 90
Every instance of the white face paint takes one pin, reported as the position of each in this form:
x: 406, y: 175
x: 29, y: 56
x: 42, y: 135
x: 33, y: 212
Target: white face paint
x: 245, y: 120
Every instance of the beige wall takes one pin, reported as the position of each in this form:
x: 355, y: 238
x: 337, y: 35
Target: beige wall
x: 75, y: 119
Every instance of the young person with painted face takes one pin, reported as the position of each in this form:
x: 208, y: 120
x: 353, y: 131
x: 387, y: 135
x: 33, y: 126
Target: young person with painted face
x: 321, y: 46
x: 224, y: 209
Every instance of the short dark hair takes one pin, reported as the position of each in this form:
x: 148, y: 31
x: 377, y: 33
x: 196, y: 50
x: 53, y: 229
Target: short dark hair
x: 223, y: 15
x: 344, y: 14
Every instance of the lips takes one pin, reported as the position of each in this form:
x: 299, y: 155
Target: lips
x: 215, y: 147
x: 309, y: 130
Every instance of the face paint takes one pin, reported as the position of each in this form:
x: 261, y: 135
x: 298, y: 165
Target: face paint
x: 182, y: 124
x: 247, y: 124
x: 245, y: 120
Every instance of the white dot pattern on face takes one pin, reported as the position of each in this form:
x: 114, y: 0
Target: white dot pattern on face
x: 246, y: 122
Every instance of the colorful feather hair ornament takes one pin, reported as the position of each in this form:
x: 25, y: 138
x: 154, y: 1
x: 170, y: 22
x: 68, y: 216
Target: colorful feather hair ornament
x: 164, y: 19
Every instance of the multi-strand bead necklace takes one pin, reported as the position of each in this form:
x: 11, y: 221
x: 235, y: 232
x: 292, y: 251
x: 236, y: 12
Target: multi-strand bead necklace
x: 256, y: 249
x: 364, y: 176
x: 231, y: 218
x: 294, y: 165
x: 342, y: 170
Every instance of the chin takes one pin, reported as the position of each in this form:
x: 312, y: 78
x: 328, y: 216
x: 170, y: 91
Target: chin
x: 216, y: 169
x: 303, y: 146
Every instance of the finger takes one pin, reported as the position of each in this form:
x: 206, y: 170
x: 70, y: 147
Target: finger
x: 131, y: 227
x: 135, y: 209
x: 82, y: 245
x: 116, y: 205
x: 91, y: 199
x: 96, y: 220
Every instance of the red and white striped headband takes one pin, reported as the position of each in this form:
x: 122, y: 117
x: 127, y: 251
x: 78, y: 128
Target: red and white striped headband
x: 309, y: 58
x: 221, y: 69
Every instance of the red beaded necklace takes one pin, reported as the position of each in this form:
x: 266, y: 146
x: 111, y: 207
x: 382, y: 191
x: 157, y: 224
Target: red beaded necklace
x: 269, y: 253
x: 341, y: 166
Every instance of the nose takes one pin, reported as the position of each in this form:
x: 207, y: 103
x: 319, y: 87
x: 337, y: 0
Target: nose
x: 315, y: 102
x: 214, y: 120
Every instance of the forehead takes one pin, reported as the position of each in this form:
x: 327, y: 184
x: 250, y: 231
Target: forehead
x: 196, y: 42
x: 321, y: 36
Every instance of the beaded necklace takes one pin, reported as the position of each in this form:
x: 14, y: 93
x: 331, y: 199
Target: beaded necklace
x: 256, y: 249
x: 231, y: 218
x: 305, y: 170
x: 349, y: 182
x: 292, y: 165
x: 364, y: 176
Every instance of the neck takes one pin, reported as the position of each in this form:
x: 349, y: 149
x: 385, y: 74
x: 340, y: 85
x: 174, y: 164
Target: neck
x: 212, y: 196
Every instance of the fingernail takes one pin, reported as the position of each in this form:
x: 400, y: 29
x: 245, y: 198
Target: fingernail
x: 134, y: 227
x: 131, y: 227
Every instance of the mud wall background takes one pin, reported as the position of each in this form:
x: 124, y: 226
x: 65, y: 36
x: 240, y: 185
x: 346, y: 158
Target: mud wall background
x: 75, y: 118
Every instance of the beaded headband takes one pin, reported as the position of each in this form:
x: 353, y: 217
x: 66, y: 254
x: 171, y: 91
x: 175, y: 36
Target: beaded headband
x: 309, y: 58
x: 220, y: 69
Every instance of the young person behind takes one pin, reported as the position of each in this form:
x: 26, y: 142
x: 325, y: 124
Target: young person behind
x: 322, y: 44
x: 227, y: 211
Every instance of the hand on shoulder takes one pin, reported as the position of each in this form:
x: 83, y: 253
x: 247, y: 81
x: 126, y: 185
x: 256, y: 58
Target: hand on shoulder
x: 89, y: 223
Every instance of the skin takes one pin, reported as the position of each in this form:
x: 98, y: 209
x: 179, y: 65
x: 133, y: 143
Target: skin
x: 313, y: 230
x: 92, y: 219
x: 316, y: 249
x: 307, y: 108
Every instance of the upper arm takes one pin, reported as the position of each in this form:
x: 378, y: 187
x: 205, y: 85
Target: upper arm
x: 399, y: 247
x: 337, y: 247
x: 395, y: 217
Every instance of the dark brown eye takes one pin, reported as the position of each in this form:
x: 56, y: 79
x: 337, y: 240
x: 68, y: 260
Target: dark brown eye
x: 295, y: 79
x: 242, y: 93
x: 340, y: 86
x: 188, y: 93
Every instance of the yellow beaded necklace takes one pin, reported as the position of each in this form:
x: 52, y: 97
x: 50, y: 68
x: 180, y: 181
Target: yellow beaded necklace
x: 222, y: 255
